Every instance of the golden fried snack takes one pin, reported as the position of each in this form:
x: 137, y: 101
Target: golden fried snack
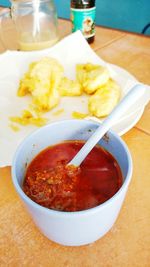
x: 105, y: 99
x: 42, y: 81
x: 91, y: 77
x: 69, y: 87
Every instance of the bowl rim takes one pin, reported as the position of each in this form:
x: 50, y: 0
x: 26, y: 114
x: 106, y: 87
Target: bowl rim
x: 58, y: 213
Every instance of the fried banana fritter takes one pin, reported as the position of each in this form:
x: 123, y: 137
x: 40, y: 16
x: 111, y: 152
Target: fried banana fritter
x: 91, y: 77
x: 105, y: 99
x: 42, y: 81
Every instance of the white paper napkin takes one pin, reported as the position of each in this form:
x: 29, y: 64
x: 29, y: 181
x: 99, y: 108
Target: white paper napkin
x: 70, y: 51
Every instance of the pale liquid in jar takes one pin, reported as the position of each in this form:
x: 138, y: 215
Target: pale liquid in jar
x: 41, y: 41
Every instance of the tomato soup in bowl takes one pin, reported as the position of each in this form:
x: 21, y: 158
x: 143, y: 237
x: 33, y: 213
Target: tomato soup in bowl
x: 51, y: 183
x: 72, y: 206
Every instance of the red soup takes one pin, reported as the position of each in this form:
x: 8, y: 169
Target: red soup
x: 50, y: 183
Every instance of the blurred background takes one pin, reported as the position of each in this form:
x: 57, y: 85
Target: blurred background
x: 128, y: 15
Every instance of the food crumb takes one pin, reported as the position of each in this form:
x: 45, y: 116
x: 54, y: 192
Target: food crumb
x: 106, y: 138
x: 14, y: 127
x: 58, y: 112
x: 28, y: 118
x: 78, y: 115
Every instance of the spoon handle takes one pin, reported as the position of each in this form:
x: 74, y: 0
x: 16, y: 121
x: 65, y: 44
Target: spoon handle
x: 134, y: 94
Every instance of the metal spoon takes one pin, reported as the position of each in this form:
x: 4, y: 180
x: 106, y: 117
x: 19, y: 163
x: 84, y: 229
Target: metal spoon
x: 134, y: 94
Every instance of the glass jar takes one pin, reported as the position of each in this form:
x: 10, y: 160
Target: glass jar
x: 35, y: 22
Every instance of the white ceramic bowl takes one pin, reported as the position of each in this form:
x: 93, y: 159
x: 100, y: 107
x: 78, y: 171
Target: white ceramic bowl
x: 72, y: 228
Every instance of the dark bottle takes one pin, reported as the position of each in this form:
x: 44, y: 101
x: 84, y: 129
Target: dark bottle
x: 83, y: 18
